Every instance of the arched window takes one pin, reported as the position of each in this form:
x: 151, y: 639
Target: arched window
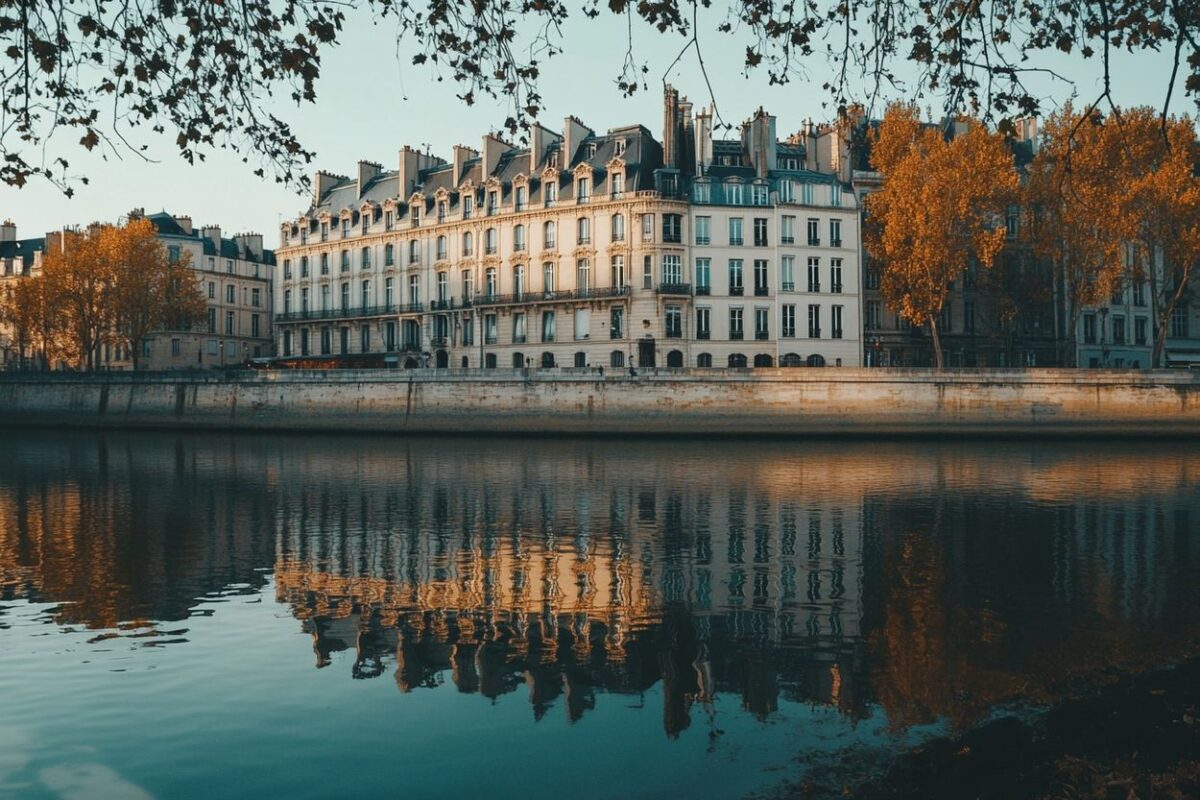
x: 489, y: 361
x: 618, y: 227
x: 489, y: 241
x: 763, y: 360
x: 548, y: 235
x: 675, y: 359
x: 466, y: 362
x: 816, y: 360
x: 616, y: 358
x: 441, y: 248
x: 791, y: 360
x: 737, y: 360
x: 547, y: 359
x: 704, y: 360
x: 518, y: 360
x: 584, y: 228
x: 468, y: 244
x: 519, y: 238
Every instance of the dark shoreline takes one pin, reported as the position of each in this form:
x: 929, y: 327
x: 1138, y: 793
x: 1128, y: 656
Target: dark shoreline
x: 1137, y: 738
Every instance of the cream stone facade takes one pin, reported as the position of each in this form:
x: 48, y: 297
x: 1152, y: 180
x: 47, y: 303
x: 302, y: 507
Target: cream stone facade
x: 578, y: 251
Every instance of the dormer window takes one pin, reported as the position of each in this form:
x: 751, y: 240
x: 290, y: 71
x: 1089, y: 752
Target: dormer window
x: 733, y: 194
x: 551, y: 191
x: 493, y: 202
x: 620, y: 147
x: 618, y: 184
x: 345, y: 227
x: 702, y: 192
x: 324, y: 231
x: 442, y: 206
x: 759, y: 194
x: 591, y: 150
x: 522, y: 194
x: 389, y: 220
x: 416, y: 215
x: 366, y: 223
x: 468, y: 205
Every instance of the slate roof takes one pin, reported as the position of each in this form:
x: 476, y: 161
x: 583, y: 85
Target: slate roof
x: 23, y: 249
x: 168, y: 226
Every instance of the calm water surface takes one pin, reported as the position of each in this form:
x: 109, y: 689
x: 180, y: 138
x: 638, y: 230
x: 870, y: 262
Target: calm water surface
x: 223, y: 617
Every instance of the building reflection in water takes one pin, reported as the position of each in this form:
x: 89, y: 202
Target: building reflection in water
x: 933, y: 581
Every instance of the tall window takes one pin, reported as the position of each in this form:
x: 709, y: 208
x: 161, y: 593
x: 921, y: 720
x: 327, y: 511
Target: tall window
x: 303, y: 304
x: 618, y: 272
x: 672, y: 269
x: 324, y: 297
x: 287, y: 301
x: 548, y: 326
x: 519, y: 279
x: 618, y: 227
x: 616, y: 322
x: 519, y: 333
x: 874, y: 315
x: 703, y: 275
x: 648, y: 272
x: 468, y: 206
x: 835, y: 233
x: 548, y: 276
x: 443, y: 286
x: 835, y: 321
x: 835, y: 275
x: 414, y: 251
x: 468, y: 286
x: 702, y: 192
x: 468, y: 244
x: 762, y: 323
x: 806, y: 194
x: 760, y: 278
x: 489, y: 329
x: 758, y: 194
x: 787, y: 230
x: 1179, y: 321
x: 673, y: 322
x: 441, y: 248
x: 583, y: 274
x: 521, y: 195
x: 760, y: 232
x: 548, y: 235
x: 672, y: 228
x: 734, y: 193
x: 703, y: 230
x: 345, y: 261
x: 493, y: 202
x: 490, y: 241
x: 814, y: 274
x: 787, y: 273
x: 583, y: 227
x: 303, y: 266
x: 389, y: 255
x: 366, y: 295
x: 735, y: 324
x: 735, y: 276
x: 1089, y: 328
x: 787, y: 321
x: 518, y: 238
x: 703, y: 329
x: 345, y: 295
x: 490, y: 287
x: 814, y: 231
x: 366, y: 257
x: 647, y: 227
x: 735, y: 231
x: 583, y: 189
x: 414, y: 289
x: 324, y: 263
x: 389, y: 291
x: 814, y: 321
x: 618, y: 183
x: 550, y: 191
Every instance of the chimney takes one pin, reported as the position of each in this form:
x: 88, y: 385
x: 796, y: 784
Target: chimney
x: 213, y: 234
x: 574, y: 132
x: 250, y: 245
x: 322, y: 183
x: 670, y: 127
x: 8, y: 231
x: 493, y: 148
x: 540, y: 140
x: 411, y: 164
x: 366, y: 171
x: 687, y: 139
x: 704, y: 146
x: 185, y: 223
x: 461, y: 156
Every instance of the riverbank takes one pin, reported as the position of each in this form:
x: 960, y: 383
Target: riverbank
x: 1137, y: 738
x: 788, y: 402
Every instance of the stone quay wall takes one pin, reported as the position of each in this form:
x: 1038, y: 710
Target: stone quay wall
x: 785, y: 402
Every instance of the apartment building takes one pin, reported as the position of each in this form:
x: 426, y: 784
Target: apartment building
x: 580, y: 250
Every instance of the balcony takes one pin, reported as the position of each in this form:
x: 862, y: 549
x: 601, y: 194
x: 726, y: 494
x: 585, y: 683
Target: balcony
x: 789, y: 286
x: 704, y: 335
x: 679, y: 289
x: 761, y: 336
x: 703, y: 291
x: 814, y: 242
x: 787, y: 239
x: 735, y: 336
x: 439, y: 341
x: 836, y: 288
x: 760, y: 241
x: 761, y: 291
x: 835, y: 243
x: 736, y: 241
x: 736, y: 291
x: 551, y: 297
x: 616, y: 333
x: 412, y: 308
x: 338, y: 313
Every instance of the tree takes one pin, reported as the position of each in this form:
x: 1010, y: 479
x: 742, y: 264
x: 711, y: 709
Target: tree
x: 23, y: 313
x: 942, y: 205
x: 150, y: 291
x: 78, y: 277
x: 1071, y: 196
x: 205, y: 72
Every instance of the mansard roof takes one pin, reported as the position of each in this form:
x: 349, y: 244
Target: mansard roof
x: 168, y: 226
x: 23, y: 249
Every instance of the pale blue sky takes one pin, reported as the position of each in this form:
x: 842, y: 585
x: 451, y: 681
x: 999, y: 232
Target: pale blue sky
x: 370, y: 103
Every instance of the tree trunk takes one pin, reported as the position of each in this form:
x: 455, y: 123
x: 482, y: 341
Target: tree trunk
x: 938, y: 361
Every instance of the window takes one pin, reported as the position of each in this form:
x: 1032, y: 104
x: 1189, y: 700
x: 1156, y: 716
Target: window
x: 414, y: 251
x: 519, y: 279
x: 733, y: 194
x: 583, y: 323
x: 618, y: 227
x: 365, y: 295
x: 758, y: 194
x: 174, y: 253
x: 806, y: 194
x: 835, y: 195
x: 468, y: 331
x: 703, y: 322
x: 835, y: 275
x: 389, y: 255
x: 647, y: 227
x: 324, y: 263
x: 212, y: 290
x: 814, y: 322
x: 618, y: 184
x: 735, y: 231
x: 548, y: 277
x: 672, y: 269
x: 345, y: 261
x: 287, y: 343
x: 814, y: 274
x: 548, y: 236
x: 176, y: 346
x: 490, y: 241
x: 835, y: 233
x: 1089, y: 328
x: 944, y: 319
x: 1012, y: 222
x: 674, y: 322
x: 616, y: 322
x: 762, y: 323
x: 1139, y: 330
x: 703, y: 230
x: 874, y: 312
x: 518, y: 238
x: 443, y: 286
x: 760, y: 278
x: 703, y: 276
x: 468, y: 244
x: 366, y: 258
x: 326, y: 341
x: 787, y: 189
x: 441, y: 248
x: 490, y: 286
x: 493, y: 203
x: 583, y: 229
x: 518, y: 328
x: 521, y: 198
x: 787, y: 230
x: 760, y: 232
x: 672, y: 228
x: 467, y: 286
x: 702, y: 192
x: 835, y: 321
x: 787, y: 321
x: 550, y: 191
x: 735, y: 276
x: 583, y: 275
x: 256, y: 297
x: 304, y: 343
x: 303, y: 266
x: 871, y: 278
x: 414, y: 290
x: 229, y: 323
x: 580, y: 360
x: 389, y: 292
x: 287, y: 301
x: 616, y: 359
x: 735, y: 323
x: 489, y: 329
x: 389, y: 220
x: 345, y: 295
x: 969, y: 317
x: 787, y: 272
x: 618, y: 272
x: 1179, y: 322
x: 324, y: 231
x: 366, y: 224
x: 547, y: 326
x: 468, y: 206
x: 287, y: 269
x: 325, y: 298
x: 648, y: 272
x: 814, y: 231
x: 704, y: 360
x: 583, y: 189
x: 1139, y: 294
x: 1118, y: 329
x: 303, y: 300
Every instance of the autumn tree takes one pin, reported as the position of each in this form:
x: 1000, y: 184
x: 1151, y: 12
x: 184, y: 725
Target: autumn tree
x: 78, y: 278
x: 207, y: 74
x: 24, y: 314
x: 1072, y: 220
x: 150, y: 292
x: 942, y: 206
